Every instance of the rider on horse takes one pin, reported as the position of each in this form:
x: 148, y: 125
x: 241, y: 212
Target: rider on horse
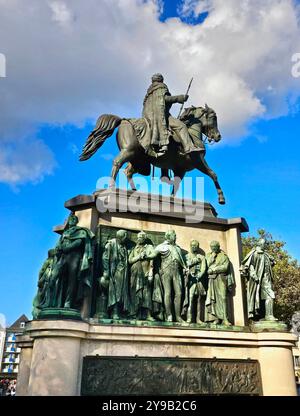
x: 156, y: 110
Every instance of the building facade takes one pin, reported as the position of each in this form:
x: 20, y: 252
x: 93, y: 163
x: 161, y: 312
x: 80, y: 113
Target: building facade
x: 11, y: 353
x: 2, y: 341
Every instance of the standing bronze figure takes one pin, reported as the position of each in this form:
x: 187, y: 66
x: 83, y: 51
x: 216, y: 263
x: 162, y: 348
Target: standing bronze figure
x: 220, y: 282
x: 257, y: 267
x: 141, y: 278
x: 72, y: 270
x: 116, y: 276
x: 171, y: 273
x: 46, y: 285
x: 195, y: 286
x: 158, y: 139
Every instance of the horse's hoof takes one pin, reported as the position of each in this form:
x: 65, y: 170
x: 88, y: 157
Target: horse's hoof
x: 222, y: 201
x: 167, y: 180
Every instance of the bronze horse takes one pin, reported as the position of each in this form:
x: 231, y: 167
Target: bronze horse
x: 199, y: 121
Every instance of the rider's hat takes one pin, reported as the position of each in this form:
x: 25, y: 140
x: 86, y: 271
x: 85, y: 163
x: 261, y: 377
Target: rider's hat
x: 157, y: 77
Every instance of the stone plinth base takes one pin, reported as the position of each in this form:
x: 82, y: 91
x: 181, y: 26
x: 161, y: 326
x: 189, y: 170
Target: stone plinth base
x: 60, y: 313
x: 264, y: 325
x: 53, y: 353
x: 63, y: 355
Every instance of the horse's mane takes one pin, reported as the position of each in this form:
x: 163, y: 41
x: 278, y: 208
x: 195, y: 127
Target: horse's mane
x: 190, y: 111
x: 187, y: 112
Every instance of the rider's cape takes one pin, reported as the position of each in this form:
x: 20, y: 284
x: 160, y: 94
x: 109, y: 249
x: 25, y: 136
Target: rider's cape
x: 156, y: 115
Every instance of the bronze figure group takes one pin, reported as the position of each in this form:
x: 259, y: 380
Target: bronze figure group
x: 162, y: 283
x: 66, y: 273
x: 142, y: 282
x: 151, y: 282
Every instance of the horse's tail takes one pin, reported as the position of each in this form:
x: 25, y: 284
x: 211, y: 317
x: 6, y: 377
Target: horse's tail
x: 105, y: 126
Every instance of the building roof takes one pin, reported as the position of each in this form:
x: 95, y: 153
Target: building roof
x: 17, y: 324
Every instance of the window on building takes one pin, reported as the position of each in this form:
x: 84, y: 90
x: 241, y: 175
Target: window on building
x: 8, y: 368
x: 22, y: 325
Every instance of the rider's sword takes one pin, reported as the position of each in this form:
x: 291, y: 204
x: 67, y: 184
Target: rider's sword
x: 187, y: 91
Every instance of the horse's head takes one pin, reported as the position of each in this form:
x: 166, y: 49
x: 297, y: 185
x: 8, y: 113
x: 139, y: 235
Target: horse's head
x: 208, y: 118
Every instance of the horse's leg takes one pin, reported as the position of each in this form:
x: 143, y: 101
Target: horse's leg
x: 124, y: 156
x: 165, y: 177
x: 129, y: 172
x: 128, y: 146
x: 178, y: 176
x: 202, y: 166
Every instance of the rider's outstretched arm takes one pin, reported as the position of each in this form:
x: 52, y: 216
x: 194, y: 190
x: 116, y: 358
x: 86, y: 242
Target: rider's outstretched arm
x: 172, y: 99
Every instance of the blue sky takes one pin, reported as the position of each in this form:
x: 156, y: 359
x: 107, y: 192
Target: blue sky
x: 257, y: 161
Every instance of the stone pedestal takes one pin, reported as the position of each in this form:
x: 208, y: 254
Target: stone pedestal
x: 135, y: 211
x: 58, y: 349
x: 53, y: 350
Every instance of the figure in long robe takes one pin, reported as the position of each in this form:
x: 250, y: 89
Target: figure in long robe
x: 72, y: 272
x: 220, y: 282
x: 116, y: 276
x: 156, y: 110
x: 257, y: 267
x: 141, y: 278
x: 195, y: 284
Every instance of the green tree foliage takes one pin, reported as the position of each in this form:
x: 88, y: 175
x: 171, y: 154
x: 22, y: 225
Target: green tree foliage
x: 286, y: 275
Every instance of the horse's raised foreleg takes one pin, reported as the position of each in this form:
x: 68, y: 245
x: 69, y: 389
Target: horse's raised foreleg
x: 129, y: 172
x: 178, y: 176
x: 204, y: 168
x: 123, y: 157
x: 165, y: 177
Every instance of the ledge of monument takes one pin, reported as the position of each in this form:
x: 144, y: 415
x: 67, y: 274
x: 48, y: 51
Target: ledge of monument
x: 179, y: 207
x: 81, y: 201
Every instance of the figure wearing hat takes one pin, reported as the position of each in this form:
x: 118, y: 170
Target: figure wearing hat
x: 156, y: 110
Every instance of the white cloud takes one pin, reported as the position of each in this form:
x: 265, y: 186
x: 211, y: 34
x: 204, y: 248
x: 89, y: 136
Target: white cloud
x: 70, y: 61
x: 27, y: 160
x: 193, y: 7
x: 61, y: 13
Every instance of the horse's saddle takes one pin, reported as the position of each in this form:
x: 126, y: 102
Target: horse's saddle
x: 143, y: 133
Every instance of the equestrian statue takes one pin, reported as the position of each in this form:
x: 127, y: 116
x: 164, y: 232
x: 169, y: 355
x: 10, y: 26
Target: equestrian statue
x: 158, y: 139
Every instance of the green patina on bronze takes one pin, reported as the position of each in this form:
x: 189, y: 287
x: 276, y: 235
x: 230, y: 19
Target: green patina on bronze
x: 149, y: 277
x: 141, y: 278
x: 113, y: 268
x: 66, y: 276
x: 46, y: 286
x: 195, y: 285
x: 257, y: 269
x: 59, y: 313
x: 220, y: 282
x: 171, y: 270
